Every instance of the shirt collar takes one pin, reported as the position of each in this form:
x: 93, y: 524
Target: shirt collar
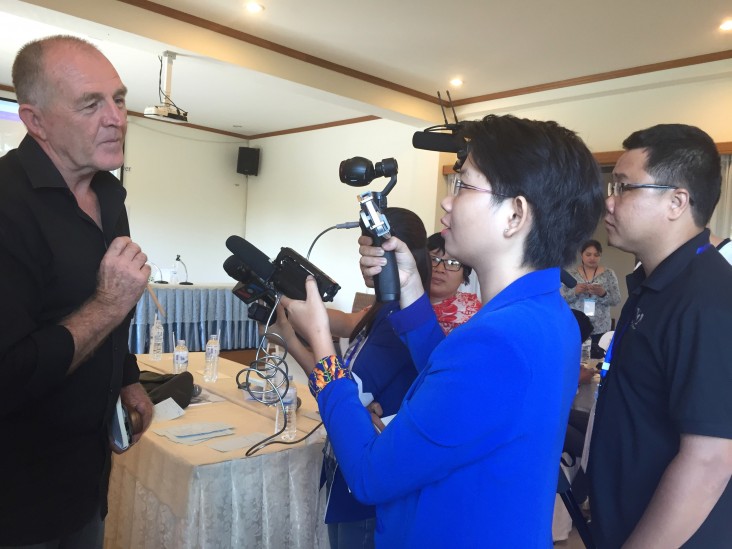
x: 38, y: 166
x: 670, y: 267
x: 42, y: 173
x: 544, y: 281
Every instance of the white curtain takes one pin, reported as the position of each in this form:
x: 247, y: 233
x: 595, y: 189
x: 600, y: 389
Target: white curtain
x: 721, y: 222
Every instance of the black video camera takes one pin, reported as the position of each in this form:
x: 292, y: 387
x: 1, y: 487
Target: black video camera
x: 260, y: 279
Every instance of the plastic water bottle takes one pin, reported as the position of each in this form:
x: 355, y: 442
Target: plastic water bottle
x: 180, y: 357
x: 211, y: 370
x: 156, y: 339
x: 289, y: 401
x: 586, y: 345
x: 174, y: 273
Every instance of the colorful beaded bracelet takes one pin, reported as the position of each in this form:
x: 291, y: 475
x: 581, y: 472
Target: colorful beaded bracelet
x: 326, y: 370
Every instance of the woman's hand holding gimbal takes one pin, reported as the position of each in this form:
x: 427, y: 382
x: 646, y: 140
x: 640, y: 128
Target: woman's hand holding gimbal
x: 372, y: 261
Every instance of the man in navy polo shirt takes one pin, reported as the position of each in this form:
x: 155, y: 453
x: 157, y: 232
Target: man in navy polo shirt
x: 661, y: 451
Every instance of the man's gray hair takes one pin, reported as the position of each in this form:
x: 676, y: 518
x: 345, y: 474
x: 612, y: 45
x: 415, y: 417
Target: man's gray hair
x: 29, y: 68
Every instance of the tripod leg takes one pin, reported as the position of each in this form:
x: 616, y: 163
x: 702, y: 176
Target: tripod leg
x: 579, y: 521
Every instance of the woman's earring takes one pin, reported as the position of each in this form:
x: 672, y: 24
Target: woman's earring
x: 505, y: 231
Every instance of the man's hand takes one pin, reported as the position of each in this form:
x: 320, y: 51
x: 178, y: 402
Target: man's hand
x: 134, y: 397
x: 121, y: 280
x: 123, y: 275
x: 586, y: 375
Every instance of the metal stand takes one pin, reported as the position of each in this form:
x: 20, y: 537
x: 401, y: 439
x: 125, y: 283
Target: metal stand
x: 564, y: 489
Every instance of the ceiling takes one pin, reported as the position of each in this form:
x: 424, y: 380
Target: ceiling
x: 301, y: 64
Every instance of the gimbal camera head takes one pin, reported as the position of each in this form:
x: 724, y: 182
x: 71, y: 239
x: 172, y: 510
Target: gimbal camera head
x: 359, y: 172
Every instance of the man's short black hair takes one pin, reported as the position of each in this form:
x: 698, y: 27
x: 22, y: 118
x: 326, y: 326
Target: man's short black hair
x: 684, y: 156
x: 437, y: 242
x: 553, y: 169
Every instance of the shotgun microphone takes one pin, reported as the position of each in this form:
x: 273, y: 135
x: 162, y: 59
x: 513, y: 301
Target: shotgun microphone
x: 251, y: 256
x: 436, y: 141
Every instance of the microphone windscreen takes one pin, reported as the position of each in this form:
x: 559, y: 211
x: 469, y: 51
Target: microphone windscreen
x: 567, y: 279
x: 250, y: 255
x: 236, y: 269
x: 436, y: 141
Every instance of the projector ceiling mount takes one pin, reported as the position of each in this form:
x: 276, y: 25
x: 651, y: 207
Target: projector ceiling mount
x: 167, y: 111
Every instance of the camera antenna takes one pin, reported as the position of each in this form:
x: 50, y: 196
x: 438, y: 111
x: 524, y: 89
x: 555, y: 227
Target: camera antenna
x: 442, y: 107
x: 454, y: 115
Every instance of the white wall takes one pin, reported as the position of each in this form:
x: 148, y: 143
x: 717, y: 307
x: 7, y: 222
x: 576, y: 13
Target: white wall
x: 298, y: 193
x: 184, y: 196
x: 605, y: 113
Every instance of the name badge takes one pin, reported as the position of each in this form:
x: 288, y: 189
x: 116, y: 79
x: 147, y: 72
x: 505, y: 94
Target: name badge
x: 588, y: 306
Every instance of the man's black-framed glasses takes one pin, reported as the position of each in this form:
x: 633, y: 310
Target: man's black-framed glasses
x: 449, y: 264
x: 615, y: 188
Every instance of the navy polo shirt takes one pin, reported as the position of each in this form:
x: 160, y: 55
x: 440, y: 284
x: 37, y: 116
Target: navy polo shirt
x: 671, y: 373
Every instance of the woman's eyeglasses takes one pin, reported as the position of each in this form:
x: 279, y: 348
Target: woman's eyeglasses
x: 449, y: 264
x: 458, y: 184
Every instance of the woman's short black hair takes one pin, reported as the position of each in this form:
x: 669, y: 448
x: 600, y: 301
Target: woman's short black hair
x: 553, y: 169
x: 437, y: 242
x: 591, y: 244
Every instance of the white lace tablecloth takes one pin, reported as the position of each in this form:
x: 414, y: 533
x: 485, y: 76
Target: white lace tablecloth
x: 167, y: 495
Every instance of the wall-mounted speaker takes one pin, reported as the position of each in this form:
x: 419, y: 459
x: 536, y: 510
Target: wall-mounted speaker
x: 248, y: 161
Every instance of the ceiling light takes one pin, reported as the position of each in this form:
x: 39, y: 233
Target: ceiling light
x: 727, y: 25
x: 253, y: 7
x: 456, y: 82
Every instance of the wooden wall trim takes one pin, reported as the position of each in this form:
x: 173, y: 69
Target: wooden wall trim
x: 599, y: 77
x: 609, y: 158
x: 725, y: 148
x: 188, y: 125
x: 317, y: 127
x: 262, y: 135
x: 277, y: 48
x: 365, y: 77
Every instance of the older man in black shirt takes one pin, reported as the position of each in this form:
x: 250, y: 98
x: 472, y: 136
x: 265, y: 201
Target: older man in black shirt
x: 661, y: 450
x: 69, y: 278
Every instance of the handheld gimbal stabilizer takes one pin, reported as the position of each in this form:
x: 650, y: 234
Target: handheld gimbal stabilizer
x: 359, y: 172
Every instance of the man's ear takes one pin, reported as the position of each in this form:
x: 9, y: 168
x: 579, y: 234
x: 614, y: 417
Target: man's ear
x: 33, y: 120
x: 680, y: 202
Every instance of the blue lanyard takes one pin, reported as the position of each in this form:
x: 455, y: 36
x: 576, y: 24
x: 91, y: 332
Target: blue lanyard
x: 353, y: 349
x: 617, y: 335
x: 609, y: 354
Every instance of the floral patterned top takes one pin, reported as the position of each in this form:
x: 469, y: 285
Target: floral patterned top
x: 601, y: 318
x: 457, y: 310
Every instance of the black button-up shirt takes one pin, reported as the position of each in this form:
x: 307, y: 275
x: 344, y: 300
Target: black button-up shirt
x: 55, y: 453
